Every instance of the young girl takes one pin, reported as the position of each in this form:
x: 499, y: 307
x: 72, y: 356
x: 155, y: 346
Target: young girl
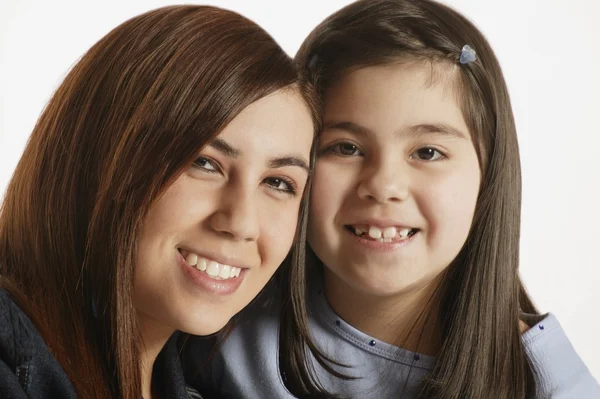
x: 414, y: 222
x: 143, y: 203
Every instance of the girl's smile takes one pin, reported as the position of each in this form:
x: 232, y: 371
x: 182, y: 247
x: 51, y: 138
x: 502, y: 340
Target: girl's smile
x: 396, y: 180
x: 382, y: 235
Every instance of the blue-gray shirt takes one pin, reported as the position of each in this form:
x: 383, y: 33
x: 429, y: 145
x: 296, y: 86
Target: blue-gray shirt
x: 246, y: 365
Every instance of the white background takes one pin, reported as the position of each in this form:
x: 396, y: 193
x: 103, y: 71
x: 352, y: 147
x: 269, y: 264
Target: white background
x: 550, y: 54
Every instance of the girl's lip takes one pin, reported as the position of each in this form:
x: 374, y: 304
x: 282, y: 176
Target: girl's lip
x: 382, y: 223
x: 203, y: 281
x: 382, y: 246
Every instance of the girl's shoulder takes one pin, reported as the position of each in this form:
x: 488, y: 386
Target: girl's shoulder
x: 562, y: 373
x: 241, y: 362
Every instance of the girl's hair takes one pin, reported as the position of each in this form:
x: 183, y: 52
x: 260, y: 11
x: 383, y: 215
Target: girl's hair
x: 130, y: 116
x: 482, y: 296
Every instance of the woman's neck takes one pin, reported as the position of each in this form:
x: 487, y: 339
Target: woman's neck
x: 407, y: 320
x: 154, y: 338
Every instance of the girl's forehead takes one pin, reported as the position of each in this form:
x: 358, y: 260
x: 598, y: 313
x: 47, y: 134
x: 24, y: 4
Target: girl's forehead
x: 396, y: 95
x: 427, y: 71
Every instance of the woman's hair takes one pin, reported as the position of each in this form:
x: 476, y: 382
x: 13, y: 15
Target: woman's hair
x: 128, y: 119
x: 481, y: 298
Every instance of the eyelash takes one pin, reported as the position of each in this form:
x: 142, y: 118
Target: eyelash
x: 291, y: 190
x: 336, y: 149
x: 441, y: 154
x: 216, y: 167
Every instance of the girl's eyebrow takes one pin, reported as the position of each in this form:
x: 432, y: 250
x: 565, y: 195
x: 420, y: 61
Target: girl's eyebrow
x: 414, y: 130
x: 437, y: 128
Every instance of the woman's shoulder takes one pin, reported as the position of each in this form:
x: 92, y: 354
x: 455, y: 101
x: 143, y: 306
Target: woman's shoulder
x: 561, y: 371
x: 16, y: 329
x: 27, y: 368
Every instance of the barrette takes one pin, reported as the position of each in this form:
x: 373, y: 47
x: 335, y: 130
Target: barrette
x: 313, y: 59
x: 467, y: 55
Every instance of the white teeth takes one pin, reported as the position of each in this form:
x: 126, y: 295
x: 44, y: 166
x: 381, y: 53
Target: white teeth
x: 404, y: 232
x: 225, y: 271
x: 389, y: 232
x: 212, y: 268
x: 192, y: 259
x: 374, y: 232
x: 386, y: 234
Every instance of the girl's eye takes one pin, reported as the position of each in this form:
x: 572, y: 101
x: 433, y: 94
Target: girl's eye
x: 281, y: 184
x: 427, y: 154
x: 344, y: 149
x: 206, y: 165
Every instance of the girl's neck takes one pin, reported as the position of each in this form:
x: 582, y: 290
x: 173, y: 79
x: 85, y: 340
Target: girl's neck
x: 407, y: 320
x: 154, y: 338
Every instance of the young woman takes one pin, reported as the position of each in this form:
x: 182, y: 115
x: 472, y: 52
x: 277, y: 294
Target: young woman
x: 414, y: 221
x: 143, y: 203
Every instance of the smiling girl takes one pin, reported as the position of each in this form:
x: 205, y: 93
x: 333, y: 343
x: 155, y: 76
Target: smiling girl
x: 143, y: 204
x: 414, y: 289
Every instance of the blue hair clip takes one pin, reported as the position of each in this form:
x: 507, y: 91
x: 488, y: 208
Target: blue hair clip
x: 312, y: 61
x: 467, y: 55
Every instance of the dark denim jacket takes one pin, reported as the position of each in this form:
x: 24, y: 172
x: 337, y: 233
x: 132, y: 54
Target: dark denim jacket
x: 28, y: 369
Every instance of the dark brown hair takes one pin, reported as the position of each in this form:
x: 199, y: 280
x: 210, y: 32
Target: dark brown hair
x: 481, y: 298
x: 130, y: 116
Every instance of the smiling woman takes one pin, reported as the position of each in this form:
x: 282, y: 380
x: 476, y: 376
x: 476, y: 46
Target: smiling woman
x: 209, y: 244
x: 143, y: 203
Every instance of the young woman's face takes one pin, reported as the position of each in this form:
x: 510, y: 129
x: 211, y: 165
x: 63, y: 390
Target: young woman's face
x: 217, y: 235
x: 396, y: 180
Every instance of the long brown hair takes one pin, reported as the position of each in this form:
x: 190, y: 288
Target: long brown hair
x: 130, y: 116
x: 481, y: 298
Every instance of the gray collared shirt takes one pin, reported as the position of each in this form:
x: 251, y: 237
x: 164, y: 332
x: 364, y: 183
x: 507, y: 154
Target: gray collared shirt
x: 246, y: 365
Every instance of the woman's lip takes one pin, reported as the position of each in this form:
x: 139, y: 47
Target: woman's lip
x: 382, y: 246
x: 208, y: 284
x: 219, y: 259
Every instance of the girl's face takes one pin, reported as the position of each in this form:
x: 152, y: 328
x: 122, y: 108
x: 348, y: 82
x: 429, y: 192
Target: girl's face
x: 212, y: 241
x: 396, y: 180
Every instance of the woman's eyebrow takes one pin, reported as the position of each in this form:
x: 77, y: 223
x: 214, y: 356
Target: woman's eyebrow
x: 277, y: 162
x: 225, y: 148
x: 289, y: 160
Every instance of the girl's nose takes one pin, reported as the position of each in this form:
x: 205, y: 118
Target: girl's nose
x: 384, y: 182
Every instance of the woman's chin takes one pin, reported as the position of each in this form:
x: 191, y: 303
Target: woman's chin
x: 204, y: 328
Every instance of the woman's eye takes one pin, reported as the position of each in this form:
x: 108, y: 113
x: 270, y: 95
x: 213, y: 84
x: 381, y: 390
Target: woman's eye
x: 281, y: 184
x: 344, y: 149
x: 427, y: 154
x: 206, y: 165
